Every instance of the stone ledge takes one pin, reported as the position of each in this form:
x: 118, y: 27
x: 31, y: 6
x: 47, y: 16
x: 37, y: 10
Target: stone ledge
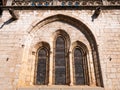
x: 107, y: 7
x: 61, y: 88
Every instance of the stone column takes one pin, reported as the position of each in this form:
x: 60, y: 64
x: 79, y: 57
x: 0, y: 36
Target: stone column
x: 50, y: 68
x: 71, y: 68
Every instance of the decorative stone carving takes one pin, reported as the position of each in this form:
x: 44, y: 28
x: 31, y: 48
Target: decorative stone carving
x: 113, y: 2
x: 56, y: 2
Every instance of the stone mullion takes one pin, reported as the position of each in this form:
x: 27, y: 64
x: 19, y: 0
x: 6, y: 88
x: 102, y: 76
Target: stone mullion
x: 71, y: 69
x: 50, y: 69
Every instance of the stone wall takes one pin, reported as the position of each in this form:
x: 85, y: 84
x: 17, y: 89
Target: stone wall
x: 17, y: 40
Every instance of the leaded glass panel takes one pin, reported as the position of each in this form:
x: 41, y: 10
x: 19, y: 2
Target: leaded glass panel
x: 42, y: 67
x: 60, y: 62
x: 79, y: 71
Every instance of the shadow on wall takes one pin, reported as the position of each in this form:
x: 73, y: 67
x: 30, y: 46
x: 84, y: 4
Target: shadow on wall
x: 13, y: 18
x: 7, y: 22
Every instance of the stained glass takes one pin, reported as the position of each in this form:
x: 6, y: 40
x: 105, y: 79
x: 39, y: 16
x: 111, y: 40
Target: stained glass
x: 41, y: 68
x: 79, y: 71
x: 60, y: 63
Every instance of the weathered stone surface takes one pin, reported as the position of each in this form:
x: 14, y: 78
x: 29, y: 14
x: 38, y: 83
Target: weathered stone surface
x: 18, y: 39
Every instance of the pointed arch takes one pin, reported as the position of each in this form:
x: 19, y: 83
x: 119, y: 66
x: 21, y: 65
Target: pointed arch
x: 82, y: 28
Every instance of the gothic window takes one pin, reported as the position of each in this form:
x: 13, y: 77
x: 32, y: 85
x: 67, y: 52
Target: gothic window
x: 80, y: 66
x: 67, y: 68
x: 79, y: 71
x: 60, y: 62
x: 42, y: 67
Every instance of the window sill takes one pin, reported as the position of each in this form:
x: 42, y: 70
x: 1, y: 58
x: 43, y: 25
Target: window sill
x: 60, y: 87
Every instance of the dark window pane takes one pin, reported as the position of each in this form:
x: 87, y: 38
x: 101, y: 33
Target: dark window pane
x: 79, y: 73
x: 60, y: 63
x: 41, y: 68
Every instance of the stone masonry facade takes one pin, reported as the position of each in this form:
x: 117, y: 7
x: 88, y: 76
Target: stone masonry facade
x: 19, y: 41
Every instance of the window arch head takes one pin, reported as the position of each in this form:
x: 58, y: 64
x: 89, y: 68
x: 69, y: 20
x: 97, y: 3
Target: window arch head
x: 81, y: 46
x: 42, y: 44
x: 64, y: 35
